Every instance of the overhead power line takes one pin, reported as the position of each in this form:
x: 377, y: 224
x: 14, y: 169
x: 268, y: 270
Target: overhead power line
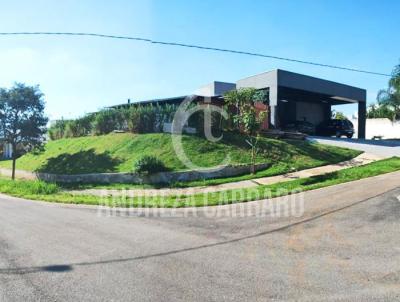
x: 192, y: 46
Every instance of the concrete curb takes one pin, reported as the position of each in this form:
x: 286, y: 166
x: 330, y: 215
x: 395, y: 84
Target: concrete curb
x: 337, y: 194
x: 360, y: 160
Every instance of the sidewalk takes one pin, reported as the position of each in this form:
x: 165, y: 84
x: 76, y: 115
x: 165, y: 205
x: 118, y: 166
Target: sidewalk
x: 360, y: 160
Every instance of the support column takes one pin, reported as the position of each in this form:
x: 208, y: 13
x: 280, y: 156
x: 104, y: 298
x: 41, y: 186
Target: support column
x: 362, y: 119
x: 327, y: 112
x: 273, y: 103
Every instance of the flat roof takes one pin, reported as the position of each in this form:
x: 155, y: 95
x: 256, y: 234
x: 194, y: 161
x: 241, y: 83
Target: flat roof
x: 280, y: 78
x: 303, y: 82
x: 171, y: 100
x: 176, y: 99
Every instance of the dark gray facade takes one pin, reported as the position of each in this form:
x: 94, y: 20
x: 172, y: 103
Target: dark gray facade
x: 295, y: 96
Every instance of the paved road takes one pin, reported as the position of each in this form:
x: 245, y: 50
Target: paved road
x: 382, y: 148
x: 346, y: 247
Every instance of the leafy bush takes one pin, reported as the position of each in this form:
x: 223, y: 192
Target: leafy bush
x: 57, y: 130
x: 165, y: 114
x: 106, y: 121
x: 135, y: 119
x: 149, y: 118
x: 79, y: 127
x: 197, y: 121
x: 142, y: 119
x: 149, y: 164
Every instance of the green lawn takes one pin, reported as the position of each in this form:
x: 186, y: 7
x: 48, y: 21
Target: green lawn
x: 118, y: 152
x: 38, y: 190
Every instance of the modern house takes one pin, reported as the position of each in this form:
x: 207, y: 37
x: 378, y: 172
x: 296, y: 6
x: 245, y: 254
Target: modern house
x: 292, y: 97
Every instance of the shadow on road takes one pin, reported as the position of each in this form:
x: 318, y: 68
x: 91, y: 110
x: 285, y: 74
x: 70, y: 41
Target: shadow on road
x: 37, y: 269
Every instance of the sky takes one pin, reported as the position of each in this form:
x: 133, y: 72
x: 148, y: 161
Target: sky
x: 79, y: 75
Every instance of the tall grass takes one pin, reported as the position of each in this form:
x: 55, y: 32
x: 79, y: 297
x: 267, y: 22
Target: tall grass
x: 27, y: 187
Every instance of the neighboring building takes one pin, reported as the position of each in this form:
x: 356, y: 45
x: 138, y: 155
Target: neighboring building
x: 292, y: 97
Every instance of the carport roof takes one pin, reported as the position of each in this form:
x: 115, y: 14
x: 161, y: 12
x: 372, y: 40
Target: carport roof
x: 281, y: 78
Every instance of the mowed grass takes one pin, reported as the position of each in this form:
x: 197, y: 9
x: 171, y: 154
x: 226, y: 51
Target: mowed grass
x: 118, y: 152
x: 37, y: 190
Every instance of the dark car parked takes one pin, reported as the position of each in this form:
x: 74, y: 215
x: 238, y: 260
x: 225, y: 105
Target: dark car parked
x: 337, y: 128
x: 301, y: 126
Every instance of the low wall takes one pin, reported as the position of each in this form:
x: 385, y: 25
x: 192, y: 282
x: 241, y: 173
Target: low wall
x: 135, y: 178
x: 380, y: 127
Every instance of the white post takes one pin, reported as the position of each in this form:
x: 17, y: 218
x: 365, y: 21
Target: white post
x: 7, y: 151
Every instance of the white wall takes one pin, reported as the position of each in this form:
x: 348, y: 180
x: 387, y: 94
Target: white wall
x: 380, y: 127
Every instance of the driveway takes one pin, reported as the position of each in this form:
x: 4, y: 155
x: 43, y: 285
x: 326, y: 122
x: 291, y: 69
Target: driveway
x: 382, y: 148
x: 346, y: 246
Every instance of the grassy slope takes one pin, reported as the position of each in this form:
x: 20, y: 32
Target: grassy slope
x: 118, y: 152
x: 37, y: 190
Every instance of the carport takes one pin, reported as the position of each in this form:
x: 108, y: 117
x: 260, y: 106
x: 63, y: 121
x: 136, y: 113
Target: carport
x: 294, y: 96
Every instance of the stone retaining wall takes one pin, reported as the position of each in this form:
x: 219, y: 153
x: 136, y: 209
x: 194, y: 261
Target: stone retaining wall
x: 134, y: 178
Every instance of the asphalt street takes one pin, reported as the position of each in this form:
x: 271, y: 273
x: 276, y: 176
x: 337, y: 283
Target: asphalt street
x: 344, y: 247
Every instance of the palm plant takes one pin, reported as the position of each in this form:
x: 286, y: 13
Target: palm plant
x: 390, y: 97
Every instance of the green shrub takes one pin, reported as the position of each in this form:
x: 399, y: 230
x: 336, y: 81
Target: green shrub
x: 135, y: 119
x: 79, y: 127
x: 166, y: 115
x: 142, y: 119
x: 57, y: 130
x: 149, y: 164
x: 149, y: 118
x: 106, y: 121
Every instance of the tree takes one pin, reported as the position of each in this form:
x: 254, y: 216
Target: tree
x: 57, y: 129
x: 390, y: 96
x: 380, y: 111
x: 22, y: 119
x: 338, y: 115
x: 245, y: 115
